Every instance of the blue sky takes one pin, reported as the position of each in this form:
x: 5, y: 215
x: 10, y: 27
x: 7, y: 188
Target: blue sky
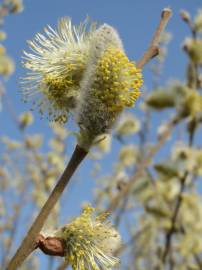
x: 135, y: 22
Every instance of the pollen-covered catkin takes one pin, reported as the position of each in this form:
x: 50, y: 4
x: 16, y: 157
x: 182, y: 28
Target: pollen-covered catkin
x: 90, y: 241
x: 56, y: 67
x: 110, y: 83
x: 83, y: 71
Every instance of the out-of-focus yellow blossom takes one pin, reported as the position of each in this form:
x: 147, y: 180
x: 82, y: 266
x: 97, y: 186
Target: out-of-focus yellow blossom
x: 56, y: 160
x: 33, y: 141
x: 194, y: 161
x: 191, y: 218
x: 39, y: 197
x: 165, y: 38
x: 16, y: 5
x: 57, y: 145
x: 162, y: 130
x: 198, y: 21
x: 190, y: 158
x: 192, y: 104
x: 167, y: 169
x: 172, y: 95
x: 26, y: 119
x: 2, y: 50
x: 193, y: 47
x: 127, y: 125
x: 128, y: 156
x: 180, y: 151
x: 2, y: 208
x: 90, y: 242
x: 104, y: 143
x: 185, y: 15
x: 168, y: 190
x: 160, y: 99
x: 11, y: 144
x: 2, y: 35
x: 60, y: 131
x: 6, y: 65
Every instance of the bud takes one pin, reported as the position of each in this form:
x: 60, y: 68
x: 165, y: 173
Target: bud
x: 127, y: 125
x: 191, y: 105
x: 193, y: 47
x: 17, y: 5
x: 169, y: 169
x: 185, y: 16
x: 198, y: 21
x: 25, y: 119
x: 160, y: 99
x: 128, y: 155
x: 6, y: 65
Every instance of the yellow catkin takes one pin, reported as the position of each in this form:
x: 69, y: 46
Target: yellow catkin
x: 118, y: 80
x: 56, y: 66
x: 86, y: 241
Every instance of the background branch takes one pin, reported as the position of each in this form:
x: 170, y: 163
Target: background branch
x: 153, y: 49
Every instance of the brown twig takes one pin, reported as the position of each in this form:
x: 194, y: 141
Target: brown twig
x: 153, y: 49
x: 29, y: 242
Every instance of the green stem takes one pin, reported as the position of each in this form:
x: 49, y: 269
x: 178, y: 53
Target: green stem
x: 29, y: 244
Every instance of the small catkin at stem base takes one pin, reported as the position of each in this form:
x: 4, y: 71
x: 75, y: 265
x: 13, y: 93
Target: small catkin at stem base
x: 29, y: 242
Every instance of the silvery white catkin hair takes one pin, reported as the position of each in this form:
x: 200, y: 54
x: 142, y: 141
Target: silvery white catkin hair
x: 92, y: 115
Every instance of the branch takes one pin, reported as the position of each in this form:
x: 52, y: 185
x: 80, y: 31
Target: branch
x: 29, y: 243
x: 174, y: 217
x: 153, y: 49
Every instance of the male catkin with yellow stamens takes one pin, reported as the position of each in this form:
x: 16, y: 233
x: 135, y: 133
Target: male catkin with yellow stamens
x: 110, y: 83
x: 118, y: 80
x: 90, y: 241
x: 56, y: 68
x: 85, y: 73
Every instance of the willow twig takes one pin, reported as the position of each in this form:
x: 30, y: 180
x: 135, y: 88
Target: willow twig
x: 29, y: 242
x: 153, y: 49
